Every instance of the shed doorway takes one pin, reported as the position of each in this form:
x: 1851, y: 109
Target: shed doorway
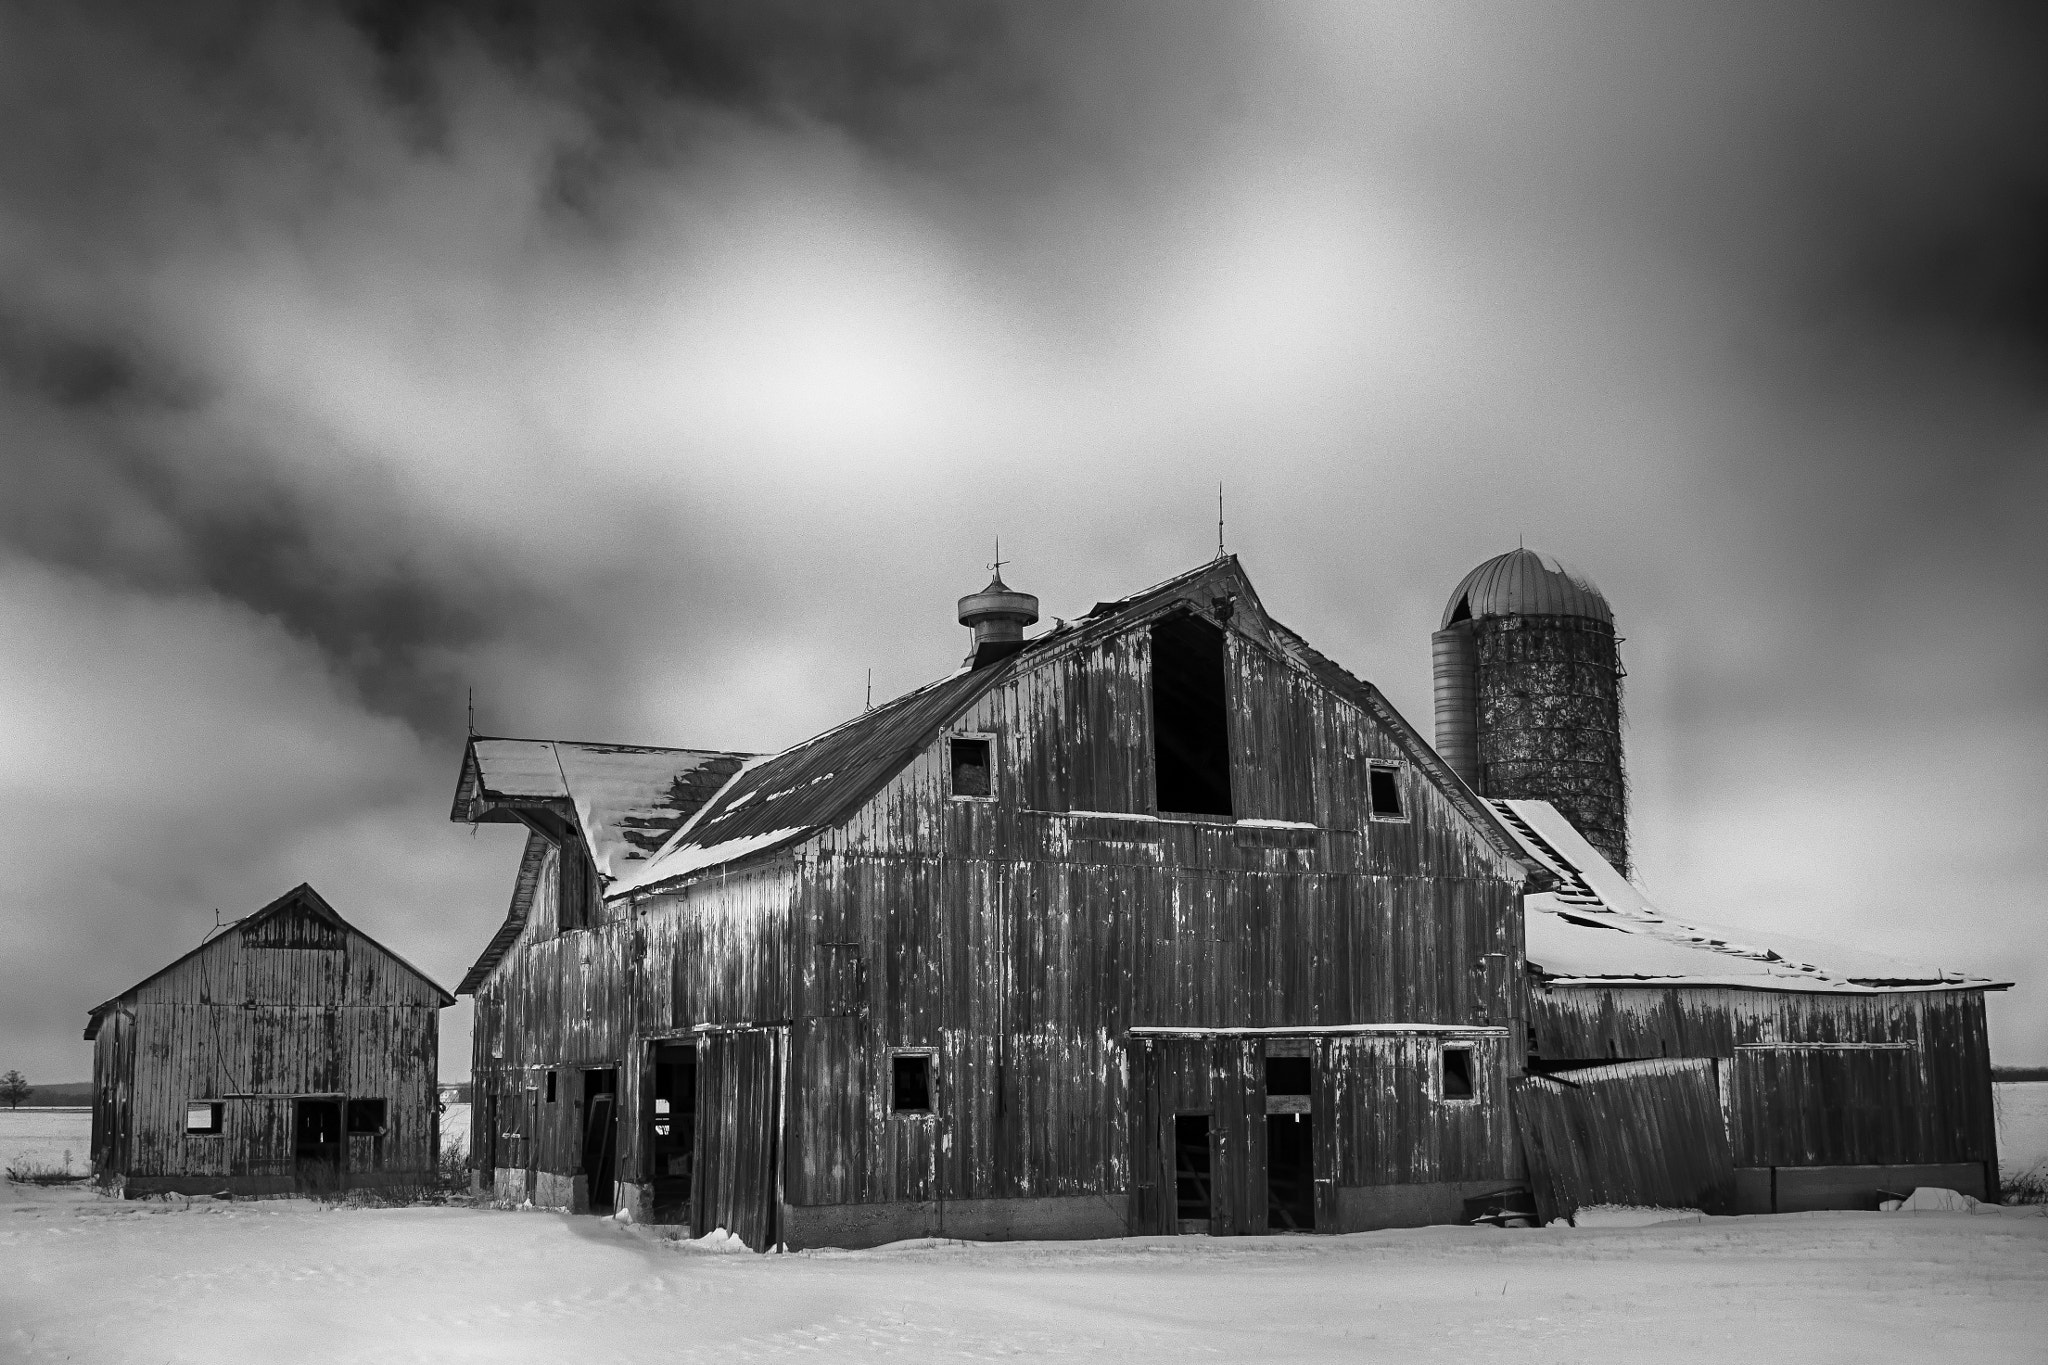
x: 672, y: 1131
x: 316, y: 1146
x: 601, y: 1137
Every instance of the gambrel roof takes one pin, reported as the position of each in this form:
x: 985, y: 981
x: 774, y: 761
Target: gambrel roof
x: 1594, y: 928
x: 301, y: 899
x: 777, y: 801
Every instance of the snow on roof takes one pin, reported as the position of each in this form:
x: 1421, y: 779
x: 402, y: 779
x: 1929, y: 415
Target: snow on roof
x: 628, y: 798
x: 1595, y: 928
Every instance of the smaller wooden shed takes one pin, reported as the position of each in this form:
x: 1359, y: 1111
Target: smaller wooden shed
x: 289, y: 1053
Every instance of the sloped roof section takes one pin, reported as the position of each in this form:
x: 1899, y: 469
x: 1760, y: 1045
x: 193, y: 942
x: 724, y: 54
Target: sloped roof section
x: 627, y: 798
x: 1594, y: 928
x: 300, y: 898
x: 774, y: 802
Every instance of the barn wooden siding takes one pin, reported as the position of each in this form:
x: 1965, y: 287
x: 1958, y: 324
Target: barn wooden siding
x: 289, y: 1006
x: 1019, y: 939
x: 590, y: 999
x: 1646, y: 1134
x: 1928, y: 1101
x: 1022, y: 937
x: 1378, y: 1118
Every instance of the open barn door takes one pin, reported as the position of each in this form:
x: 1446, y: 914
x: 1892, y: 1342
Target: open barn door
x: 739, y: 1126
x: 1198, y: 1137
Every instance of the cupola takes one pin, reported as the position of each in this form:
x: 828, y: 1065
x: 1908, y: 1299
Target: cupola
x: 997, y: 615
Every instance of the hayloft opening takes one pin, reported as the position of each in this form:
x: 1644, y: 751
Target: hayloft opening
x: 1289, y: 1075
x: 1191, y: 1189
x: 1385, y: 789
x: 365, y: 1117
x: 910, y: 1083
x: 1457, y: 1073
x: 1190, y: 717
x: 551, y: 1087
x: 971, y: 765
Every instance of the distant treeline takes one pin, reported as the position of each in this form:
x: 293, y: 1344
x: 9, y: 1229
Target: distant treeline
x: 71, y: 1094
x: 2019, y: 1073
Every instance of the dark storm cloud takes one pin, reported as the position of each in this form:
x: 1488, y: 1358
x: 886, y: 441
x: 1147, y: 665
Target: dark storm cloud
x: 660, y: 368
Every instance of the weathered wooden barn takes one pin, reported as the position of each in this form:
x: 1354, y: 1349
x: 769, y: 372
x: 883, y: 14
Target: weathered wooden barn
x: 1156, y: 922
x: 1732, y: 1073
x: 290, y: 1052
x: 1673, y: 1063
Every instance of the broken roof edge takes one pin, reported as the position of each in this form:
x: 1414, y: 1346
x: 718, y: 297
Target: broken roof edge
x: 744, y: 851
x: 302, y: 894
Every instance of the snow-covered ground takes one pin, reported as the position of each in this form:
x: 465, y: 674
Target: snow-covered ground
x: 84, y: 1279
x: 49, y: 1138
x: 88, y: 1279
x: 2022, y: 1127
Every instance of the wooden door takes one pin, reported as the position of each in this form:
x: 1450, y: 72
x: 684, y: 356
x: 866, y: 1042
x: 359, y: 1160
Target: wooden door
x: 739, y: 1126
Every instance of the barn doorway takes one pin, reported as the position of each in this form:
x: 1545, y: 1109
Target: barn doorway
x: 739, y: 1127
x: 1290, y: 1142
x: 672, y: 1132
x: 601, y: 1137
x: 316, y: 1146
x: 1194, y: 1196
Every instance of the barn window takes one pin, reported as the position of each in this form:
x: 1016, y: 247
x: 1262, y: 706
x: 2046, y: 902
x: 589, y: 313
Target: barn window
x: 971, y: 762
x: 1456, y: 1074
x: 910, y: 1083
x: 203, y: 1116
x: 365, y: 1116
x: 551, y: 1087
x: 1190, y: 717
x: 1385, y: 789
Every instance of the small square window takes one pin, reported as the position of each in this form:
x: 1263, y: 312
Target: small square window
x: 910, y: 1083
x: 1457, y: 1073
x: 972, y: 764
x: 365, y: 1116
x: 1385, y: 790
x: 203, y: 1116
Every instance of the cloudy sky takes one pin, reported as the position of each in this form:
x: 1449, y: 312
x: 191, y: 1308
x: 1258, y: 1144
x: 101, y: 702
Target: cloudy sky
x: 658, y: 372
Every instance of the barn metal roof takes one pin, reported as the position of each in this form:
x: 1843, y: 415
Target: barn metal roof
x: 302, y: 896
x: 1594, y: 928
x: 627, y: 798
x: 1525, y: 583
x: 777, y: 801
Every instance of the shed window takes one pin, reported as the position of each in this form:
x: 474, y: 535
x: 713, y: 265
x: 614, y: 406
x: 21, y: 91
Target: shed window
x: 203, y: 1116
x: 1457, y: 1073
x: 1386, y: 792
x: 1190, y: 717
x: 365, y: 1116
x: 972, y: 761
x: 910, y: 1083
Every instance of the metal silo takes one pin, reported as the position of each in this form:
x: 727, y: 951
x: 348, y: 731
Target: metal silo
x: 1528, y: 693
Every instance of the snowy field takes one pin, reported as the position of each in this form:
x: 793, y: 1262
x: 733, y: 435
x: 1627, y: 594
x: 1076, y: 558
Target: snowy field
x: 46, y: 1138
x: 2022, y: 1127
x: 94, y: 1280
x: 83, y: 1279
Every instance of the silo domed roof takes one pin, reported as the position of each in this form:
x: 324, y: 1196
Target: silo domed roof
x: 1524, y: 583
